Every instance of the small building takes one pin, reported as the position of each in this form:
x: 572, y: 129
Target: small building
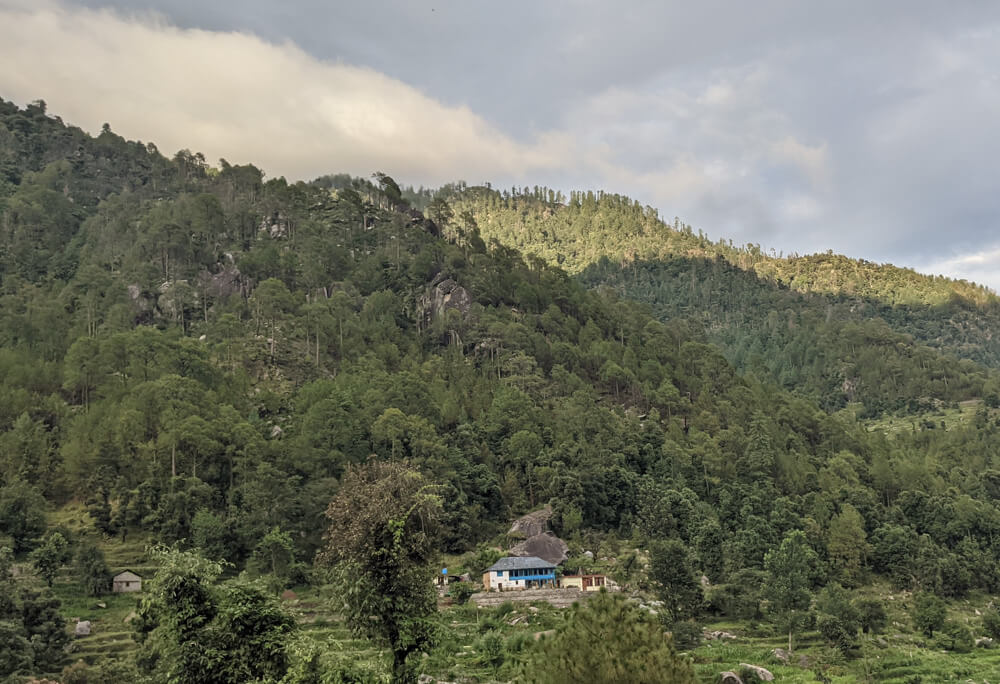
x: 516, y: 573
x: 125, y: 582
x: 583, y: 582
x: 444, y: 579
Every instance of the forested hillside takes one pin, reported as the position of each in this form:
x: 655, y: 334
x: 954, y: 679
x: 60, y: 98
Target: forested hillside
x: 834, y: 329
x: 197, y: 353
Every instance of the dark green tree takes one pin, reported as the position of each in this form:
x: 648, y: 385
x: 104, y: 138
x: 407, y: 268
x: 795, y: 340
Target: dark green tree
x: 381, y: 546
x: 196, y: 631
x: 837, y: 619
x: 91, y: 569
x: 671, y: 573
x: 22, y: 514
x: 929, y: 613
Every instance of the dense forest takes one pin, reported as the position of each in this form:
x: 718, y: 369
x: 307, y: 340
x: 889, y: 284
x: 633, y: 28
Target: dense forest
x: 834, y: 329
x: 199, y: 355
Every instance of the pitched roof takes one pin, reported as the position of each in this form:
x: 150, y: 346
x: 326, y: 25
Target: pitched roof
x: 520, y: 563
x: 126, y: 576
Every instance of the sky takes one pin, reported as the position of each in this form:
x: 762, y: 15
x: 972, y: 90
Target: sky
x: 869, y: 129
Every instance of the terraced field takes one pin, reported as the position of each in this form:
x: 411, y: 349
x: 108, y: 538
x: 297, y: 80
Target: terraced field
x: 897, y: 657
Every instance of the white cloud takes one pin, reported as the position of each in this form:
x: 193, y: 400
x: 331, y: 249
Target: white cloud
x: 236, y: 96
x: 980, y: 266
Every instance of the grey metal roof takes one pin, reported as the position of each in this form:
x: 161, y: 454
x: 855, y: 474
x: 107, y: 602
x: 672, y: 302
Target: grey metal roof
x: 520, y: 563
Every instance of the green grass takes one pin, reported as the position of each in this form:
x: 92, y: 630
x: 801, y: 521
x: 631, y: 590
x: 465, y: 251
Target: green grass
x: 942, y: 419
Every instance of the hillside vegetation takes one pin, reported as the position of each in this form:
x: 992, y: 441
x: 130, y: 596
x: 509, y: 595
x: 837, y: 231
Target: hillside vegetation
x: 197, y: 354
x: 834, y: 329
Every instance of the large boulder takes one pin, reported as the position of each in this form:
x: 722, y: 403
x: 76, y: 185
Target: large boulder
x: 546, y: 546
x: 82, y: 628
x: 759, y: 672
x: 531, y: 524
x: 730, y: 678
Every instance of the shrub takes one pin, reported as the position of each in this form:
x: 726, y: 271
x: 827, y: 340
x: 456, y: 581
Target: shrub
x: 929, y: 613
x: 461, y: 591
x: 955, y: 636
x: 687, y: 634
x: 991, y: 623
x: 871, y: 614
x: 505, y: 608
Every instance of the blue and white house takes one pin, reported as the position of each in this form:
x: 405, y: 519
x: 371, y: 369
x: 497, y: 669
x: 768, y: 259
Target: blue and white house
x: 514, y: 573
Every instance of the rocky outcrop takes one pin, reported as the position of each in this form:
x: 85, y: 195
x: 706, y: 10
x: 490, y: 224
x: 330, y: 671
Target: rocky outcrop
x: 730, y: 678
x: 531, y: 524
x: 443, y: 295
x: 546, y: 546
x: 450, y: 295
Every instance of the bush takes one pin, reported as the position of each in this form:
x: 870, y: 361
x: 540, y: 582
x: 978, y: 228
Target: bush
x: 461, y: 591
x: 929, y: 613
x: 955, y: 636
x: 871, y: 614
x: 488, y: 624
x: 491, y: 649
x: 505, y: 608
x: 991, y: 623
x: 606, y: 640
x: 687, y: 634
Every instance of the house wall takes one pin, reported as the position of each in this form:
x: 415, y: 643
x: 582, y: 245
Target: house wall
x: 571, y: 582
x: 501, y: 580
x: 122, y: 587
x: 583, y: 582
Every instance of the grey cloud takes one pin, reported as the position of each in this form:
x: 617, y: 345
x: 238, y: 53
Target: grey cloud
x: 868, y: 128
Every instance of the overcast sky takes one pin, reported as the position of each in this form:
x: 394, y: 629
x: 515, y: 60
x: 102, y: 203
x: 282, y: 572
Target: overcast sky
x: 872, y: 129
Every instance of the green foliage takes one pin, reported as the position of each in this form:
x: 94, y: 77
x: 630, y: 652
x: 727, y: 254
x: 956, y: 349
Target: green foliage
x: 954, y: 636
x: 991, y: 623
x: 194, y: 630
x: 50, y: 556
x: 491, y: 649
x: 91, y: 570
x: 33, y: 635
x: 22, y: 513
x: 871, y: 613
x: 460, y: 592
x: 687, y: 634
x: 275, y: 555
x: 790, y: 569
x: 16, y: 654
x: 838, y: 618
x: 381, y: 544
x: 607, y: 639
x: 929, y: 613
x: 671, y: 572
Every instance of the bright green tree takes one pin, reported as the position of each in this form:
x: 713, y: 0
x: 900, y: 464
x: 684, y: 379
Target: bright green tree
x: 847, y: 544
x: 196, y: 631
x: 51, y: 556
x: 790, y: 568
x: 605, y: 640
